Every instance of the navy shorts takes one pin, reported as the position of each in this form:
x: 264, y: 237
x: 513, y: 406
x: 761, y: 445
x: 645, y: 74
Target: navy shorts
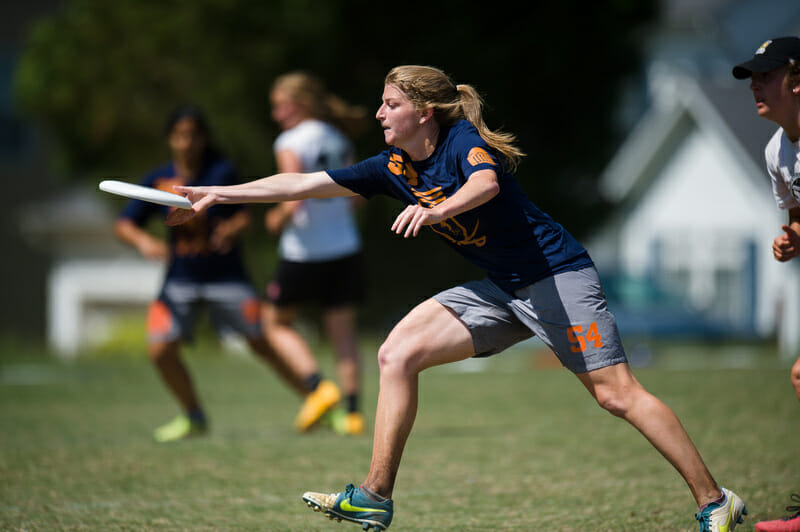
x: 331, y: 283
x: 232, y: 305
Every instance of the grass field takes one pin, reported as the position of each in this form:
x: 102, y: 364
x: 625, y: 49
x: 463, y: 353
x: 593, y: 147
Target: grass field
x: 517, y: 446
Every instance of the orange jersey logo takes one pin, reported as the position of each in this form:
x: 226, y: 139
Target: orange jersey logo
x: 455, y: 232
x: 429, y: 198
x: 478, y: 156
x: 166, y: 183
x: 399, y: 167
x: 451, y: 229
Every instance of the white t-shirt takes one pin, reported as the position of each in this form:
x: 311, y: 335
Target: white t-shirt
x: 783, y: 165
x: 320, y: 229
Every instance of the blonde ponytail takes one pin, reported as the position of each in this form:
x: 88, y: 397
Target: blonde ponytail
x: 308, y: 90
x: 428, y: 87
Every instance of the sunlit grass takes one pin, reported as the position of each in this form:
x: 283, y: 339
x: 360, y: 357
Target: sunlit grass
x: 518, y: 445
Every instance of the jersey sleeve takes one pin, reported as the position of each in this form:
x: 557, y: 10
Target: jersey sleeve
x: 474, y: 154
x: 365, y: 178
x: 781, y: 190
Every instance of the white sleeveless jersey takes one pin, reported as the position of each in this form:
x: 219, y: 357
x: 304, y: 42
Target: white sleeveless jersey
x: 320, y: 229
x: 783, y: 165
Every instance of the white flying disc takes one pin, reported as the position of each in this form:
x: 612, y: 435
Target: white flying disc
x: 153, y: 195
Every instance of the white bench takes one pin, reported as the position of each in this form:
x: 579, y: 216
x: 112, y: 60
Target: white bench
x: 79, y: 288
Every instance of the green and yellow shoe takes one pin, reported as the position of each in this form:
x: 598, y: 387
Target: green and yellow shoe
x: 352, y: 505
x: 317, y: 404
x: 722, y: 516
x: 344, y: 423
x: 180, y: 428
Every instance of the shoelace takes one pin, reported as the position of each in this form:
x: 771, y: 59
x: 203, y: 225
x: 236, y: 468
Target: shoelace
x: 795, y: 509
x: 704, y: 520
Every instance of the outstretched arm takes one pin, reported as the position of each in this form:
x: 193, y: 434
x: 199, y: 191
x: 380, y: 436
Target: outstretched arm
x: 273, y: 189
x: 279, y: 216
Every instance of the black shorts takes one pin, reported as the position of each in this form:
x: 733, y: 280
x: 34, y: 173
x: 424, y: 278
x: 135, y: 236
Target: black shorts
x: 331, y: 283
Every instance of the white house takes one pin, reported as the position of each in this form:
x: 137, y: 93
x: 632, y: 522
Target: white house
x: 694, y: 208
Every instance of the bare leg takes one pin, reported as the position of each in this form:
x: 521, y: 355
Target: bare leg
x: 286, y: 342
x: 166, y: 358
x: 262, y: 348
x: 340, y: 327
x: 616, y: 389
x: 428, y: 336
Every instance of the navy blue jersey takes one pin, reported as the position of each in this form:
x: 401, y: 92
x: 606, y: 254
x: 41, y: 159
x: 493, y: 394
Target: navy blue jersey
x: 509, y: 237
x: 191, y: 257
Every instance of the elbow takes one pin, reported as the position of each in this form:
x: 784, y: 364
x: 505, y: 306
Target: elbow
x: 492, y: 189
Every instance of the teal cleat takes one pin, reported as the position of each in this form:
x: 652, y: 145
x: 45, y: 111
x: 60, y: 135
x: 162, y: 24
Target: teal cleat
x: 724, y: 516
x: 352, y: 505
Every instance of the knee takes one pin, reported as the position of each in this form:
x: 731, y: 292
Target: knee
x: 616, y: 401
x: 160, y: 352
x: 395, y: 360
x: 260, y: 345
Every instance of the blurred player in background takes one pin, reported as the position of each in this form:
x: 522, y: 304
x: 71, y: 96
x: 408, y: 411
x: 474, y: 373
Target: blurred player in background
x: 319, y: 250
x: 774, y: 73
x: 456, y: 176
x: 205, y: 269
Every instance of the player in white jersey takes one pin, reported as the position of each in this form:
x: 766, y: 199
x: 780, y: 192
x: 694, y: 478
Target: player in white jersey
x: 320, y: 249
x: 774, y: 73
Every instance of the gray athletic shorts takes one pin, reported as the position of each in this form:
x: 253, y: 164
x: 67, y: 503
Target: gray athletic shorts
x: 233, y: 306
x: 566, y: 311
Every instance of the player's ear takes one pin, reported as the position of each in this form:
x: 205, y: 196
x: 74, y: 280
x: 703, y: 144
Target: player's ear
x: 425, y: 115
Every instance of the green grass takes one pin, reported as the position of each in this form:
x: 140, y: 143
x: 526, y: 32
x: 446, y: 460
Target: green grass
x: 517, y: 446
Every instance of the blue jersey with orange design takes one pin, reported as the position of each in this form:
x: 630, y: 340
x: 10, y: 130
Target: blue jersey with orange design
x: 509, y: 237
x: 191, y: 256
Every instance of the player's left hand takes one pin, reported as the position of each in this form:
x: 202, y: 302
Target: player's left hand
x: 223, y: 237
x: 413, y: 218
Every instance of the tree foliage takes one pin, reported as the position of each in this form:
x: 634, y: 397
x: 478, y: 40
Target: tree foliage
x: 101, y: 77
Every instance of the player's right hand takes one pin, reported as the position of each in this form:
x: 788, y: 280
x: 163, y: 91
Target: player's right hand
x: 787, y: 245
x: 201, y: 199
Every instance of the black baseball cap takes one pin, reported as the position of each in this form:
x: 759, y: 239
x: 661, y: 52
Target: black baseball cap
x: 771, y: 55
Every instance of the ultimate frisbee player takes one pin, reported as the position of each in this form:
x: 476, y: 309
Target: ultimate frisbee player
x: 774, y: 74
x: 205, y: 269
x: 455, y: 176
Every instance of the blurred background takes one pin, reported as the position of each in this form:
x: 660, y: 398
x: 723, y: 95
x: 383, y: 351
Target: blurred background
x: 639, y: 142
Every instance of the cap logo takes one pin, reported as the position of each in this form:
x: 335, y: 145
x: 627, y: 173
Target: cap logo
x: 763, y: 48
x: 795, y: 188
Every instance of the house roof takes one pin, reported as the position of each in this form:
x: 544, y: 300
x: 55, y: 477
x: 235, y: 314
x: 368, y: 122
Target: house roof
x: 734, y: 104
x: 681, y: 102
